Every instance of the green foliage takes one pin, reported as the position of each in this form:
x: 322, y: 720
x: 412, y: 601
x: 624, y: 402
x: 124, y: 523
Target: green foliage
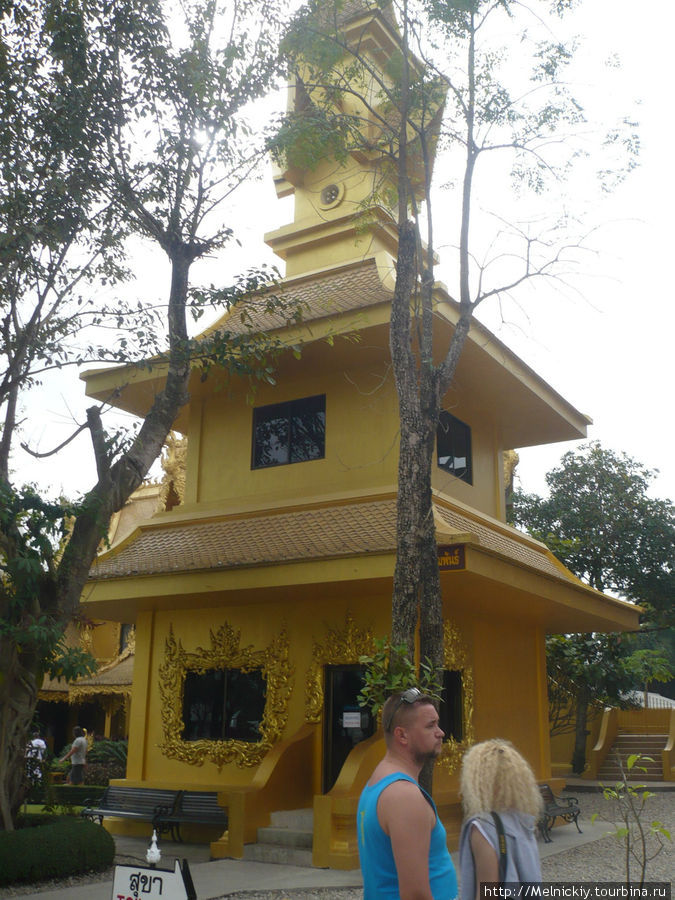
x: 105, y: 760
x: 648, y: 665
x: 629, y: 801
x: 38, y: 529
x: 590, y: 668
x: 241, y: 349
x: 389, y: 670
x: 71, y: 795
x: 101, y: 773
x: 66, y: 846
x: 32, y: 819
x: 600, y: 521
x: 310, y: 136
x: 106, y: 751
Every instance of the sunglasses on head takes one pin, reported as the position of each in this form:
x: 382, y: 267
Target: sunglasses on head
x: 410, y: 696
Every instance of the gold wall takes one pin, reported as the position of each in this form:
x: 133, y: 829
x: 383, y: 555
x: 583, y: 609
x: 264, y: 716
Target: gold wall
x: 361, y: 443
x: 505, y: 658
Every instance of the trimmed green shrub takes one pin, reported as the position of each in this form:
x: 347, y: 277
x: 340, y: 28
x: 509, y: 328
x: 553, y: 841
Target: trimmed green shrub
x: 101, y: 773
x: 33, y: 819
x: 67, y: 846
x: 76, y: 794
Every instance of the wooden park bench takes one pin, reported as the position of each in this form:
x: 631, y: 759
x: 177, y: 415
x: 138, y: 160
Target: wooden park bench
x: 192, y: 808
x: 142, y: 804
x: 566, y: 808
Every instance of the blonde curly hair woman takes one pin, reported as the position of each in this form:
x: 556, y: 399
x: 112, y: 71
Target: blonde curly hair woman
x: 495, y: 778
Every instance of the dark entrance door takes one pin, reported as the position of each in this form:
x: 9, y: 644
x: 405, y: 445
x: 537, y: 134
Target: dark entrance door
x: 345, y: 722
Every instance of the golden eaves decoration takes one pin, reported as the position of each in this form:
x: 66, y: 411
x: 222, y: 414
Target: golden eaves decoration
x: 340, y: 647
x: 456, y: 659
x: 225, y: 653
x: 174, y: 462
x: 111, y: 680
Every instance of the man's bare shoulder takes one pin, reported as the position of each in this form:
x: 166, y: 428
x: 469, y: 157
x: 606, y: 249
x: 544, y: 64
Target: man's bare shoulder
x: 403, y: 796
x: 402, y: 788
x: 401, y: 792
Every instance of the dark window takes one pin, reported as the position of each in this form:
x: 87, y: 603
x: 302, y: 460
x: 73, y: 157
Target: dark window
x: 223, y: 704
x: 453, y: 446
x: 289, y: 432
x: 125, y: 636
x: 450, y: 712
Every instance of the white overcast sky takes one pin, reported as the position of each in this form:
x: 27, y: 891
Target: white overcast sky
x: 609, y: 352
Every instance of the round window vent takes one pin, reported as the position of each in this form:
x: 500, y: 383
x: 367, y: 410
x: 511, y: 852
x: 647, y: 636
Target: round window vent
x: 331, y: 195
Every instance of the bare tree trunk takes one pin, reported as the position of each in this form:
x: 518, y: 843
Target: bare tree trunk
x: 19, y: 685
x: 416, y: 593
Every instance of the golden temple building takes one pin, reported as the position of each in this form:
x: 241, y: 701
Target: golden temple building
x: 268, y: 576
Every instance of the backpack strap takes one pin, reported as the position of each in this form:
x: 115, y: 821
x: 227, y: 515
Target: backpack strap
x: 501, y: 839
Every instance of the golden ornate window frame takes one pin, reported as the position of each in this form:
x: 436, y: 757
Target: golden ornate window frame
x: 456, y: 659
x: 340, y: 647
x: 225, y: 653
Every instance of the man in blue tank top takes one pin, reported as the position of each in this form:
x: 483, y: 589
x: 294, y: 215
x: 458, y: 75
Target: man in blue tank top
x: 402, y: 843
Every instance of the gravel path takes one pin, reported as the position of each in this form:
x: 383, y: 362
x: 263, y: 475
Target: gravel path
x: 600, y: 860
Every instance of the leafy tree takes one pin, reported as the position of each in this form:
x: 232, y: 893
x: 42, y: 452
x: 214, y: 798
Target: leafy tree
x: 601, y: 522
x: 389, y: 671
x: 444, y: 86
x: 585, y: 672
x: 122, y: 118
x: 647, y: 666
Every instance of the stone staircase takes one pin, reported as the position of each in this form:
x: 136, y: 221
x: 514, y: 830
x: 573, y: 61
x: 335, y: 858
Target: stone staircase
x: 627, y: 744
x: 287, y: 840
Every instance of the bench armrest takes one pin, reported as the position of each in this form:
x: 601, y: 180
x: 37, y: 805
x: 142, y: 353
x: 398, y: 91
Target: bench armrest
x: 161, y: 812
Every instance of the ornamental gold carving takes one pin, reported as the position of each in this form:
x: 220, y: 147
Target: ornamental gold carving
x: 340, y: 647
x: 456, y: 659
x: 224, y: 653
x: 172, y: 486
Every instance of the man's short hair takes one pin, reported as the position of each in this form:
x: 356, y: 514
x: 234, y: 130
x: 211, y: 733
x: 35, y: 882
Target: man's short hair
x: 394, y: 706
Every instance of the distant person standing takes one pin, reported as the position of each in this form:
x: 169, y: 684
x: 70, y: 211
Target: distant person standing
x: 35, y: 753
x: 77, y: 755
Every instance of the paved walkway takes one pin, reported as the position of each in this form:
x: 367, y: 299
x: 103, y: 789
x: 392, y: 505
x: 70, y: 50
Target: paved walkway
x: 217, y: 878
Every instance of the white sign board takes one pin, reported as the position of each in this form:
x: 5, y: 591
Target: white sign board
x: 141, y: 883
x: 351, y: 719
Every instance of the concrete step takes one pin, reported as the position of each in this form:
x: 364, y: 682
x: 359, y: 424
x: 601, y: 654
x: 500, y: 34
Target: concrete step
x: 607, y: 776
x: 287, y: 840
x: 300, y: 819
x: 611, y: 770
x: 629, y: 744
x: 644, y: 749
x: 641, y: 740
x: 286, y: 837
x: 641, y: 746
x: 283, y: 856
